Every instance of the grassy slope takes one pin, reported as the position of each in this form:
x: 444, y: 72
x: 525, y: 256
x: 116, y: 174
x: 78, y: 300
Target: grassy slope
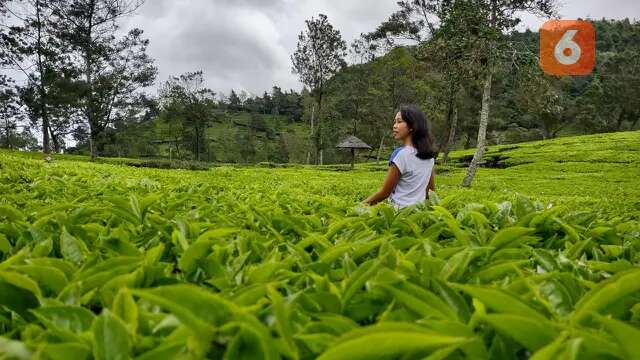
x: 600, y: 172
x: 597, y: 173
x: 224, y: 135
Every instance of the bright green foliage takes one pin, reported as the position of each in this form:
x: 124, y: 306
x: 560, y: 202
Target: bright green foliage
x: 108, y: 262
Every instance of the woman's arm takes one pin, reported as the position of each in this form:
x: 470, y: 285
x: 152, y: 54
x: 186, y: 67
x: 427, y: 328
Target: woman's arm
x: 393, y: 176
x: 432, y: 182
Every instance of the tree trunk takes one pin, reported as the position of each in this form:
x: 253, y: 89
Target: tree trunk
x: 313, y: 109
x: 369, y: 154
x: 46, y: 147
x: 92, y: 145
x: 379, y: 150
x: 355, y: 119
x: 451, y: 99
x: 452, y: 133
x: 89, y: 110
x: 197, y: 144
x: 546, y: 134
x: 634, y: 122
x: 353, y: 158
x: 320, y: 131
x: 55, y: 140
x: 93, y: 137
x: 621, y: 118
x: 482, y: 131
x: 467, y: 141
x: 7, y: 129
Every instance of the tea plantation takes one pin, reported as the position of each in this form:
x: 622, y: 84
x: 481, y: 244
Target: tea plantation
x: 538, y: 260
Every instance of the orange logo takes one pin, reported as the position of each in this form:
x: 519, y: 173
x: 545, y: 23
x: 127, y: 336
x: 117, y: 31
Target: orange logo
x: 567, y: 47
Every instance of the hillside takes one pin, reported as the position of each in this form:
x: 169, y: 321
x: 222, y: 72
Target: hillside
x: 600, y: 172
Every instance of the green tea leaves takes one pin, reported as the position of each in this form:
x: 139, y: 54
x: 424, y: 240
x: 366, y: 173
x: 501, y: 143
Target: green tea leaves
x: 388, y: 339
x: 72, y: 248
x: 236, y: 263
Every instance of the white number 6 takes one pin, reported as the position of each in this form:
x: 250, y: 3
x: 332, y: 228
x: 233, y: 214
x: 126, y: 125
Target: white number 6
x: 566, y: 42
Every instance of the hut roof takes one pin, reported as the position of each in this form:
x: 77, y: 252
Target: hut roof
x: 353, y: 142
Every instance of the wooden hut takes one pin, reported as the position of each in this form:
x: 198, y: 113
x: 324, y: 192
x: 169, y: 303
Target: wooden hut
x: 353, y: 143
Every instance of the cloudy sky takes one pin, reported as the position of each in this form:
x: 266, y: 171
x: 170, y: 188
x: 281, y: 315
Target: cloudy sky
x: 247, y: 44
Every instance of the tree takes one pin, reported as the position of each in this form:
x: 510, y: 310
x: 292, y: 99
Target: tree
x: 319, y: 55
x: 621, y: 86
x: 451, y: 53
x: 443, y: 29
x: 544, y: 98
x: 61, y: 97
x: 267, y: 103
x: 396, y: 81
x: 499, y: 17
x: 234, y: 101
x: 9, y: 114
x: 134, y: 134
x: 364, y: 49
x: 111, y: 69
x: 5, y: 40
x: 33, y: 48
x: 279, y: 100
x: 352, y: 98
x: 185, y: 100
x: 414, y: 22
x: 293, y: 108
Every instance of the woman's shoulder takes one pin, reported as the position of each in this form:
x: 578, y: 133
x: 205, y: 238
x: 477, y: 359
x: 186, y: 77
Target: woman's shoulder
x: 407, y: 150
x: 395, y: 152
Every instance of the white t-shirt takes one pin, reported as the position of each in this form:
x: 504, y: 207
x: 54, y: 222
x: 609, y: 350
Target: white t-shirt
x: 414, y: 176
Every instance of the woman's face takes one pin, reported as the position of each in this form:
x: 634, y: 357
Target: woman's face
x: 400, y: 128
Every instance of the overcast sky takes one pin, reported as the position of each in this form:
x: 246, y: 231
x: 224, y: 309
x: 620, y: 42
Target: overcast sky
x: 247, y: 44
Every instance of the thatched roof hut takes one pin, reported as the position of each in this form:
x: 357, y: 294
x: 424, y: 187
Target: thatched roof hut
x: 353, y: 143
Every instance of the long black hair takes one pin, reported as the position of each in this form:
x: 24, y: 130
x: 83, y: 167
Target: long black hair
x: 421, y: 134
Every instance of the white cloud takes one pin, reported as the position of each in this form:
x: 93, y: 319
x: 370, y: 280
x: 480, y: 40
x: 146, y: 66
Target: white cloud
x: 247, y: 44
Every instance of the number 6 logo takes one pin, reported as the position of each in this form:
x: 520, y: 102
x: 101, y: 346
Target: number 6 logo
x: 567, y: 47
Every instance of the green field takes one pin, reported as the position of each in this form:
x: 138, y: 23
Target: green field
x: 539, y: 258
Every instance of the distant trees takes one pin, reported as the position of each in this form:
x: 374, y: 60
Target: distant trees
x: 277, y: 103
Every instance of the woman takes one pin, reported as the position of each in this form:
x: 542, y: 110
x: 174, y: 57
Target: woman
x: 411, y: 167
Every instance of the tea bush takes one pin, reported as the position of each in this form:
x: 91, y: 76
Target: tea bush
x: 111, y: 262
